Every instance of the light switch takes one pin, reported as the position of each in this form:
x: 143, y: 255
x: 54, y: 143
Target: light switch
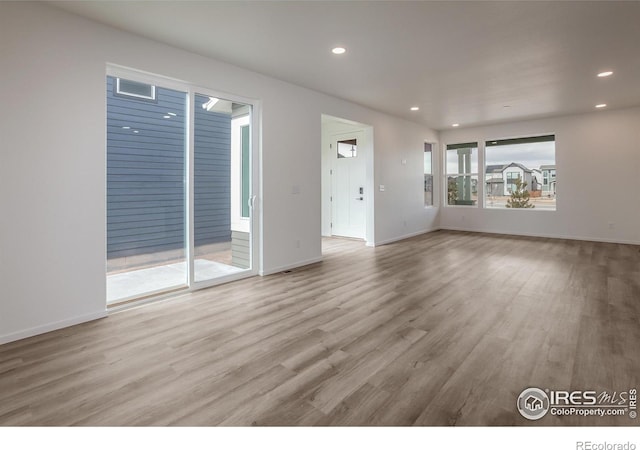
x: 382, y: 188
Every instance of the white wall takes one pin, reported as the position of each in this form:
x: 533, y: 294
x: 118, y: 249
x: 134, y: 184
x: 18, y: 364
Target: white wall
x: 598, y: 169
x: 52, y: 161
x: 399, y: 166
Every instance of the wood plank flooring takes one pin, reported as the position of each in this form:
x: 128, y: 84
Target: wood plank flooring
x: 445, y: 328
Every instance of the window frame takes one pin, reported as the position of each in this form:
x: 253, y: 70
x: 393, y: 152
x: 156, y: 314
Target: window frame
x: 472, y: 144
x: 119, y: 92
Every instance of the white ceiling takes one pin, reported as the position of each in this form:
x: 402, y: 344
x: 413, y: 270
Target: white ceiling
x: 460, y: 62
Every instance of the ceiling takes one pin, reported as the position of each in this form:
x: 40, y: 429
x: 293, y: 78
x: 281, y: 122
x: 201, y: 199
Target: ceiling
x: 470, y: 63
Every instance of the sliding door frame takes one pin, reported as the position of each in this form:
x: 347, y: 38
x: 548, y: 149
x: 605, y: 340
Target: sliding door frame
x: 255, y: 211
x: 254, y: 183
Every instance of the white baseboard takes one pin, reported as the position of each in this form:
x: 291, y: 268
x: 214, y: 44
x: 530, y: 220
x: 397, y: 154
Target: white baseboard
x: 51, y: 327
x: 290, y: 266
x: 543, y: 235
x: 400, y: 238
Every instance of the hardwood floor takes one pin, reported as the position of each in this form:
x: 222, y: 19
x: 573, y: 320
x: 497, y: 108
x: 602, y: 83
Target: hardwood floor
x: 445, y: 328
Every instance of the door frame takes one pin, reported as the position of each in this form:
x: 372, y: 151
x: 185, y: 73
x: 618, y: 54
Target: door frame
x: 330, y: 126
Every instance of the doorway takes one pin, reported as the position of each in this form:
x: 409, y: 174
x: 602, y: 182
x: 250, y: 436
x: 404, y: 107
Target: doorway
x: 347, y: 179
x: 180, y: 178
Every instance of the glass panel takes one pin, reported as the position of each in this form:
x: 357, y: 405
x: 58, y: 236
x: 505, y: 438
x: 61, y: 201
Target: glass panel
x: 145, y: 193
x: 520, y: 173
x: 221, y: 187
x: 348, y: 148
x: 462, y: 174
x: 428, y: 175
x: 462, y: 190
x: 246, y: 173
x: 462, y: 160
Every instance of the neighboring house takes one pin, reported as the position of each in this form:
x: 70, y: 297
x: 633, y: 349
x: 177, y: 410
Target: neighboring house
x: 493, y: 180
x: 500, y: 179
x: 548, y: 180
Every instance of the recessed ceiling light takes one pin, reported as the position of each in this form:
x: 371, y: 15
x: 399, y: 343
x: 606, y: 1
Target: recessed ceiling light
x: 455, y: 125
x: 172, y: 114
x: 136, y: 131
x: 415, y: 108
x: 601, y: 105
x: 166, y: 117
x: 126, y: 128
x: 605, y: 74
x: 338, y: 50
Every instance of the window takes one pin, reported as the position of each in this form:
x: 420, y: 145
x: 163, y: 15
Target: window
x: 428, y: 174
x: 246, y: 142
x: 462, y: 174
x: 135, y: 89
x: 348, y: 148
x: 520, y: 173
x: 511, y: 181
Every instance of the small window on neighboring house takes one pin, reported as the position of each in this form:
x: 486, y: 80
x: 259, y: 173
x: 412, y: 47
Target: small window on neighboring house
x: 511, y: 178
x: 135, y: 89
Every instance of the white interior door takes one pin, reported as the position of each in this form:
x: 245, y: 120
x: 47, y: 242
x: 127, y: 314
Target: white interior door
x: 348, y: 186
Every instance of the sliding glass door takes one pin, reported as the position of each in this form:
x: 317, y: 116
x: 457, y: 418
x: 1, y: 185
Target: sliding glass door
x: 179, y: 180
x: 221, y: 182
